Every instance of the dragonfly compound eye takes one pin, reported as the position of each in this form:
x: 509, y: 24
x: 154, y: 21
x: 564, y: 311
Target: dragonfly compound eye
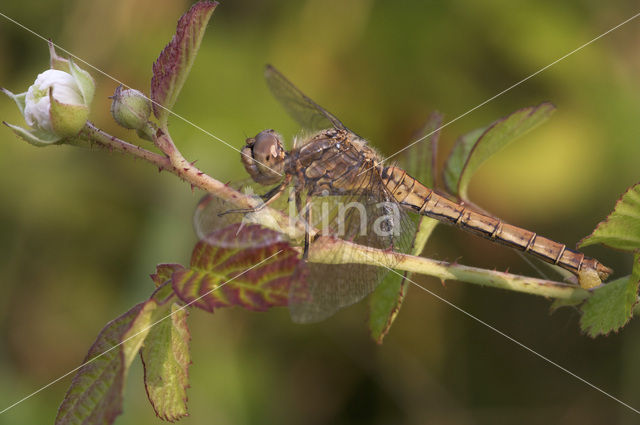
x: 263, y: 157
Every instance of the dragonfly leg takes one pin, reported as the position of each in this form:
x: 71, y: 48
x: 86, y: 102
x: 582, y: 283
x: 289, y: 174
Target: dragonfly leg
x: 267, y: 198
x: 307, y: 225
x: 298, y: 199
x: 292, y: 198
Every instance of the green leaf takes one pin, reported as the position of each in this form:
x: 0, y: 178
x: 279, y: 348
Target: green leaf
x: 164, y: 272
x: 385, y: 303
x: 458, y: 157
x: 95, y: 394
x: 237, y: 265
x: 621, y: 229
x: 419, y: 161
x: 165, y: 356
x: 498, y: 136
x: 425, y: 228
x: 172, y: 67
x: 611, y: 305
x: 386, y: 300
x: 561, y: 302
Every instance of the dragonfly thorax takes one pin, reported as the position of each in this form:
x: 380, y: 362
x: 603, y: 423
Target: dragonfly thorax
x: 264, y: 156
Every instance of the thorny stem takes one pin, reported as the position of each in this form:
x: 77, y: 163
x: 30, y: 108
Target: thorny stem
x: 102, y: 139
x: 174, y: 162
x: 171, y: 161
x: 324, y: 249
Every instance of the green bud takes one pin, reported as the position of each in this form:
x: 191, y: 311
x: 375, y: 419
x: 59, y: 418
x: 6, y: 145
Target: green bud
x: 130, y: 108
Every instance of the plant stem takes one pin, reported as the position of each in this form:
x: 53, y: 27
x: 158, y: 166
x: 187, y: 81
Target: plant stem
x: 324, y: 249
x: 174, y: 162
x: 93, y: 134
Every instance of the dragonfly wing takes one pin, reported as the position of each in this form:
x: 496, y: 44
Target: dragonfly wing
x: 330, y: 288
x: 206, y: 219
x: 372, y: 218
x: 299, y: 106
x: 213, y: 213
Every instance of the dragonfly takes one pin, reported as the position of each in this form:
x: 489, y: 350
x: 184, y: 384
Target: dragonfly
x: 338, y: 182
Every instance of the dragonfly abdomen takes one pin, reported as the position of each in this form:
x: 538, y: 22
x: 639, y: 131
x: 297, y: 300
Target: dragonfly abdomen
x: 414, y: 195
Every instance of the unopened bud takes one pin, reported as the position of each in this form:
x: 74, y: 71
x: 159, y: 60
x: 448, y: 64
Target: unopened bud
x: 130, y: 108
x: 56, y: 105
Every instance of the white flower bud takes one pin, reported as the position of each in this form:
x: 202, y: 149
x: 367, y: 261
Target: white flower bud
x: 56, y: 106
x: 37, y: 111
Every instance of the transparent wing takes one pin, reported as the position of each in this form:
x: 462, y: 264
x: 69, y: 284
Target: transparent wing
x: 212, y: 214
x: 367, y: 215
x: 372, y: 218
x: 301, y: 108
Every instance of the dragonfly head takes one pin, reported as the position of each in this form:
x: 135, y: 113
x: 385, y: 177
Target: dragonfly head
x: 264, y: 157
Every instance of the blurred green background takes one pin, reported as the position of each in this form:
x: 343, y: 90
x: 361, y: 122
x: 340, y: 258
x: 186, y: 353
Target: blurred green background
x: 80, y: 230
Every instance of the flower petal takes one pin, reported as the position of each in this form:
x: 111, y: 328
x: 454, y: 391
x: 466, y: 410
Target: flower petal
x: 36, y: 111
